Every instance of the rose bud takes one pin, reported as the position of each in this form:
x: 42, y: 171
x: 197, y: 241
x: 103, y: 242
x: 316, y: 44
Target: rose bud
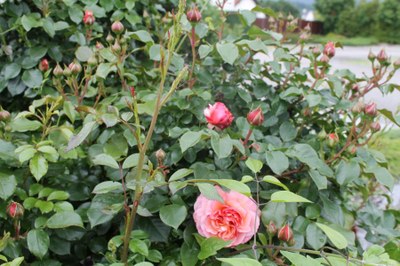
x: 324, y: 59
x: 375, y: 126
x: 117, y: 27
x: 333, y: 139
x: 329, y: 49
x: 306, y: 111
x: 58, y: 71
x: 316, y: 51
x: 371, y: 56
x: 355, y: 88
x: 67, y: 72
x: 396, y: 64
x: 370, y: 109
x: 285, y: 234
x: 255, y: 117
x: 75, y: 67
x: 99, y: 46
x: 193, y: 15
x: 88, y: 18
x: 160, y: 155
x: 291, y: 242
x: 218, y: 115
x: 322, y: 134
x: 15, y: 210
x: 92, y: 61
x: 116, y: 48
x: 382, y: 56
x: 4, y: 115
x: 352, y: 149
x: 271, y: 228
x: 132, y: 90
x: 44, y: 65
x: 109, y: 38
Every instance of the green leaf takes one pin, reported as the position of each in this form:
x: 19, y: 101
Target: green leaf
x: 83, y: 53
x: 139, y: 246
x: 69, y: 110
x: 222, y: 146
x: 38, y: 166
x: 384, y: 177
x: 181, y: 173
x: 15, y: 262
x: 44, y: 206
x: 209, y: 191
x: 76, y: 140
x: 143, y: 36
x: 228, y: 51
x: 287, y: 131
x: 8, y: 184
x: 277, y: 161
x: 316, y: 239
x: 334, y: 236
x: 346, y: 172
x: 300, y: 260
x: 155, y: 52
x: 22, y: 125
x: 240, y: 261
x: 38, y: 242
x: 313, y: 99
x: 234, y: 185
x: 210, y: 246
x: 130, y: 4
x: 110, y: 119
x: 131, y: 161
x: 58, y: 195
x: 104, y: 69
x: 32, y: 78
x: 107, y: 186
x: 49, y: 152
x: 189, y: 139
x: 389, y: 115
x: 49, y: 26
x: 273, y: 180
x: 287, y: 196
x: 106, y: 160
x: 204, y: 50
x: 11, y: 70
x: 64, y: 219
x: 320, y: 181
x: 30, y: 21
x: 189, y: 254
x: 173, y: 215
x: 306, y: 154
x: 254, y: 165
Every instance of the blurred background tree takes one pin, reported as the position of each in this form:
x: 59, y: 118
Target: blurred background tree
x: 331, y: 10
x: 281, y: 6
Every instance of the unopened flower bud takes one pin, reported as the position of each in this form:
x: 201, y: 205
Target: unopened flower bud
x: 160, y: 155
x: 92, y: 61
x: 316, y: 50
x: 290, y: 17
x: 329, y: 49
x: 352, y: 149
x: 322, y: 134
x: 88, y: 18
x: 117, y: 27
x: 15, y: 210
x: 396, y: 64
x: 355, y: 88
x: 193, y: 14
x: 4, y: 115
x: 333, y: 139
x: 109, y: 38
x: 255, y: 117
x: 58, y: 71
x: 75, y: 67
x: 375, y: 126
x: 306, y: 111
x: 382, y: 56
x: 67, y: 72
x: 291, y: 242
x: 44, y: 65
x: 271, y: 228
x: 370, y: 109
x: 99, y: 45
x: 132, y: 90
x: 324, y: 59
x: 371, y: 56
x: 116, y: 48
x: 285, y: 234
x: 304, y: 36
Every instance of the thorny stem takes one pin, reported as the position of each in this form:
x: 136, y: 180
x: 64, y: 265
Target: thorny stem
x: 193, y: 44
x: 247, y: 137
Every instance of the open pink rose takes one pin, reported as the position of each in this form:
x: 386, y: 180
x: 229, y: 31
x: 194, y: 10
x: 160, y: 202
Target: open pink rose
x: 218, y: 115
x: 236, y: 220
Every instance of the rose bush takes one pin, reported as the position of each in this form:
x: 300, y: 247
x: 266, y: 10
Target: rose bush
x: 105, y: 153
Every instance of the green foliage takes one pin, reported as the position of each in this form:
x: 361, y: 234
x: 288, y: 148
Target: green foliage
x: 331, y: 10
x: 108, y: 156
x: 388, y: 21
x: 282, y: 6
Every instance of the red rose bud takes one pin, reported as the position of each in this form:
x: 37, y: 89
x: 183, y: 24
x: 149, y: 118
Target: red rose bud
x: 324, y: 59
x: 117, y: 27
x: 382, y: 56
x: 88, y: 18
x: 218, y: 115
x: 15, y: 210
x: 255, y: 117
x: 329, y: 49
x: 333, y: 139
x: 44, y: 65
x: 271, y: 228
x: 75, y: 68
x: 58, y: 71
x: 355, y: 88
x: 193, y: 15
x: 375, y: 126
x: 316, y: 51
x: 285, y: 234
x: 99, y: 46
x: 4, y: 115
x: 371, y: 56
x: 370, y: 109
x: 132, y: 90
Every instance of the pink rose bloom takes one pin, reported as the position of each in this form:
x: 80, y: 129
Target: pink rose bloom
x: 218, y: 115
x: 236, y: 220
x: 329, y: 49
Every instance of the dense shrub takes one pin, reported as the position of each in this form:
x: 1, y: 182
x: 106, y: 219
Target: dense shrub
x: 105, y: 147
x: 281, y: 6
x: 331, y: 10
x: 389, y: 21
